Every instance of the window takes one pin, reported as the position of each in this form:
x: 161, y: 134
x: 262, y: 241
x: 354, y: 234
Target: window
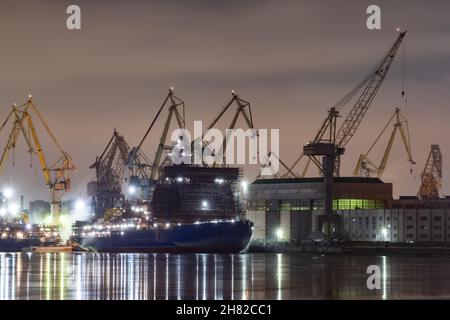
x: 395, y: 235
x: 351, y: 204
x: 423, y: 235
x: 409, y: 235
x: 380, y: 218
x: 422, y: 227
x: 285, y: 206
x: 437, y: 227
x: 409, y: 218
x: 409, y: 227
x: 437, y: 218
x: 303, y: 205
x: 318, y: 204
x: 423, y: 218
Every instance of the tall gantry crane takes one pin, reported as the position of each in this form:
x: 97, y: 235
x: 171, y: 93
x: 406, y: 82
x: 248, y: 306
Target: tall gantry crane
x: 57, y: 174
x: 366, y: 168
x: 109, y: 167
x: 431, y: 176
x: 242, y: 108
x: 368, y: 88
x: 176, y: 109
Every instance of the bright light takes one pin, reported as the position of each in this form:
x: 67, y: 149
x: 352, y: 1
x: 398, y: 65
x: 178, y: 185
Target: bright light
x: 80, y: 205
x: 218, y: 180
x: 384, y: 232
x: 204, y: 204
x: 28, y: 226
x: 8, y: 192
x: 179, y: 179
x: 3, y: 211
x: 48, y: 220
x: 131, y: 189
x: 244, y: 185
x: 13, y: 208
x: 279, y: 233
x: 167, y: 225
x: 63, y: 219
x: 19, y: 235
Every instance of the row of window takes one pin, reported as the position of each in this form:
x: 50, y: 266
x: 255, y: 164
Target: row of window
x: 316, y: 204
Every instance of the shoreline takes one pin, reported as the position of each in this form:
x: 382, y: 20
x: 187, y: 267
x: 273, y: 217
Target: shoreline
x: 353, y: 249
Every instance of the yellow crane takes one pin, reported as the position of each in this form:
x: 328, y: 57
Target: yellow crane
x: 365, y: 167
x: 57, y: 175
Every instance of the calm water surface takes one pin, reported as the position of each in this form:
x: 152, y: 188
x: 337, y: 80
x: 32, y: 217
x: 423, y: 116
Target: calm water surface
x: 217, y: 276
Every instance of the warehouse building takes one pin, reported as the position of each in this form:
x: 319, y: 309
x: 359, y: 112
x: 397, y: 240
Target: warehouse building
x: 289, y: 209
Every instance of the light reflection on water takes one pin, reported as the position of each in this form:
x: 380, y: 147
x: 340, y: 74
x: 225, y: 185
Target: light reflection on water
x: 216, y: 276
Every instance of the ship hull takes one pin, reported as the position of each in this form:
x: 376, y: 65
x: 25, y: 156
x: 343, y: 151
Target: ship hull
x: 16, y: 245
x: 209, y: 237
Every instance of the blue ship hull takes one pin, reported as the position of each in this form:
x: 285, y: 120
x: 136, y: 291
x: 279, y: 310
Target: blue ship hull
x: 16, y: 245
x: 209, y: 237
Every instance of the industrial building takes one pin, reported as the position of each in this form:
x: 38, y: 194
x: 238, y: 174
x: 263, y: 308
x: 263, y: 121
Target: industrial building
x: 288, y: 210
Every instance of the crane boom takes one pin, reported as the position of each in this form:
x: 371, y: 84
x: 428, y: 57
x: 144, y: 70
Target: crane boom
x: 57, y: 175
x: 365, y: 167
x: 431, y: 176
x: 354, y: 118
x: 369, y: 86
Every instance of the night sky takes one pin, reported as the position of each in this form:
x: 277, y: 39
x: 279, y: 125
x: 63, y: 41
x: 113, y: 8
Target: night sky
x: 291, y: 59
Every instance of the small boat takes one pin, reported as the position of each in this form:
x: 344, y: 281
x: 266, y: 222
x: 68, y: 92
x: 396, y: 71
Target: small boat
x: 71, y: 246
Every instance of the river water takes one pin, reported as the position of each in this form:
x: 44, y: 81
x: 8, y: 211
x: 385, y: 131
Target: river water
x: 218, y: 276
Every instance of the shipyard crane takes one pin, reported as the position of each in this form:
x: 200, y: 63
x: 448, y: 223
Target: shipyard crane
x: 366, y: 168
x: 242, y: 108
x: 176, y: 108
x: 57, y: 174
x: 106, y: 190
x: 368, y: 88
x: 431, y: 176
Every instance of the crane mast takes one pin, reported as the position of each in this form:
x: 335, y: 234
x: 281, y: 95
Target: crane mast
x: 365, y: 167
x: 431, y: 176
x: 57, y: 175
x: 362, y: 104
x: 109, y: 167
x: 176, y: 108
x: 369, y: 86
x: 242, y: 108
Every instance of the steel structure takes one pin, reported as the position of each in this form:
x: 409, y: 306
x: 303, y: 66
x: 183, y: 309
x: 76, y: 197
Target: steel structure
x: 242, y: 108
x: 109, y: 167
x: 368, y: 88
x: 146, y: 172
x: 57, y: 174
x: 366, y: 168
x: 431, y: 176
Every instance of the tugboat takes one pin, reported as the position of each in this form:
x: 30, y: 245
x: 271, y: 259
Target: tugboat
x: 193, y: 209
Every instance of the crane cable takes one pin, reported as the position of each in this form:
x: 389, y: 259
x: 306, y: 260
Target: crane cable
x: 404, y: 94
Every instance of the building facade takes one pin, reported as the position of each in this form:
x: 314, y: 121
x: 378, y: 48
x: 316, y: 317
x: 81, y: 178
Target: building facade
x: 288, y: 210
